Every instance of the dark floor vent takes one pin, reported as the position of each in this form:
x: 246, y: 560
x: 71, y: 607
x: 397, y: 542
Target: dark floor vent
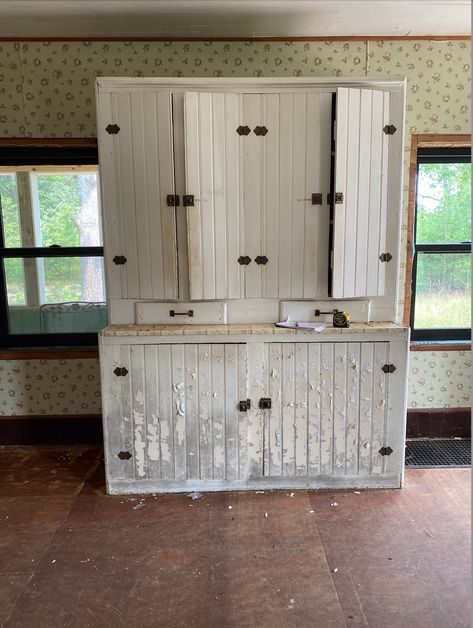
x: 441, y: 452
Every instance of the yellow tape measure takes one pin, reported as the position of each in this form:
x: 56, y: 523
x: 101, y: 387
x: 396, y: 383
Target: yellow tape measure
x: 341, y: 319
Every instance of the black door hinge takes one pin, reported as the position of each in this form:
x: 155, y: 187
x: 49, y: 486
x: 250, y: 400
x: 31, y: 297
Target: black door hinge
x: 390, y: 129
x: 261, y: 259
x: 120, y: 371
x: 385, y: 451
x: 112, y: 129
x: 388, y: 368
x: 243, y: 130
x: 172, y: 200
x: 385, y: 257
x: 119, y: 260
x: 338, y: 198
x: 244, y: 260
x: 124, y: 455
x: 260, y: 130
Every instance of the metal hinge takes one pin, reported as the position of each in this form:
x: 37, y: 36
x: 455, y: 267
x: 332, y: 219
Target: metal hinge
x: 388, y: 368
x: 172, y: 200
x: 119, y: 260
x: 120, y: 371
x: 260, y: 130
x: 261, y: 259
x: 316, y: 199
x: 385, y: 451
x: 112, y: 129
x: 385, y: 257
x: 244, y: 260
x: 243, y: 130
x: 124, y: 455
x: 390, y: 129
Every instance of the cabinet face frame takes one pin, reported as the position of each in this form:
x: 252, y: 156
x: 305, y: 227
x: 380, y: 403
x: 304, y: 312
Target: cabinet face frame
x: 383, y: 307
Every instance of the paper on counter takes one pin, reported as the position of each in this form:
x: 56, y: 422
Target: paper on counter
x: 301, y: 325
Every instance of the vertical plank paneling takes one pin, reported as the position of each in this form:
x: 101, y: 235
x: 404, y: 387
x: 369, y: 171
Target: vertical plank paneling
x: 218, y: 411
x: 327, y: 409
x: 273, y: 457
x: 301, y: 408
x: 231, y: 387
x: 252, y: 191
x: 244, y: 393
x: 339, y: 407
x: 232, y: 208
x: 285, y: 188
x: 383, y: 208
x: 192, y: 410
x: 366, y: 411
x: 340, y: 210
x: 270, y: 234
x: 298, y: 207
x: 151, y: 412
x: 288, y: 414
x: 165, y: 411
x: 352, y: 408
x: 179, y: 411
x: 205, y: 426
x: 220, y: 161
x: 127, y: 405
x: 138, y: 392
x: 193, y: 181
x: 255, y: 416
x: 314, y: 408
x: 352, y: 209
x: 379, y: 405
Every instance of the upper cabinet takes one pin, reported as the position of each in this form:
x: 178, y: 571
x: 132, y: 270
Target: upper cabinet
x: 233, y: 190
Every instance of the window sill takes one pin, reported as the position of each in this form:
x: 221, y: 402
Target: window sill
x: 44, y: 353
x: 445, y: 345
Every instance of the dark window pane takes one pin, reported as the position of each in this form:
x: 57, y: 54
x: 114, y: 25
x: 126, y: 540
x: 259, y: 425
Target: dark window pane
x: 10, y: 213
x: 443, y: 288
x: 68, y: 293
x: 443, y: 203
x: 66, y: 209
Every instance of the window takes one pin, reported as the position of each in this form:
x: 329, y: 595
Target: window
x: 51, y: 255
x: 441, y: 270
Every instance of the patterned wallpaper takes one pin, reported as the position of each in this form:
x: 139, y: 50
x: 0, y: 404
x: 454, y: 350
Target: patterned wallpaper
x: 47, y: 90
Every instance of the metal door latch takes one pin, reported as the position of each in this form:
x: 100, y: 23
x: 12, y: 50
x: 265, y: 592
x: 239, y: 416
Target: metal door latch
x: 265, y: 403
x: 244, y: 406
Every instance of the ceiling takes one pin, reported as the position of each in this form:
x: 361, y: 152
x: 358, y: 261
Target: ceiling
x: 231, y: 18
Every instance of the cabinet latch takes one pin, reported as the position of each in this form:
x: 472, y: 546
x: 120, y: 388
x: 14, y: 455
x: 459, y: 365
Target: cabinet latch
x: 119, y: 260
x: 316, y: 199
x: 385, y: 451
x: 265, y: 403
x: 388, y: 368
x: 120, y: 371
x: 188, y: 200
x: 385, y: 257
x: 244, y: 406
x: 172, y: 200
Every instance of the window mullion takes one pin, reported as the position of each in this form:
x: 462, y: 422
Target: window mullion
x: 27, y: 229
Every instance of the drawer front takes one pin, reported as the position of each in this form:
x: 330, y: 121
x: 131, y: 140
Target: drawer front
x: 209, y: 313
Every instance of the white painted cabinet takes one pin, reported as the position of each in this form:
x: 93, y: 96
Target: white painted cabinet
x: 176, y: 418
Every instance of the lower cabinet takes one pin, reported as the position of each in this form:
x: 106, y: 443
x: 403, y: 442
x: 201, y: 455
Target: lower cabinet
x: 216, y: 416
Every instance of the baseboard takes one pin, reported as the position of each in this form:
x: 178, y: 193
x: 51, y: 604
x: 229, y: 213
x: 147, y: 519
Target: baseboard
x: 51, y: 430
x: 439, y: 423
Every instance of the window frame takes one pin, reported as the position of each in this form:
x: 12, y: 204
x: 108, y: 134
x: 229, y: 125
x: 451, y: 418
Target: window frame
x: 432, y: 149
x: 54, y: 154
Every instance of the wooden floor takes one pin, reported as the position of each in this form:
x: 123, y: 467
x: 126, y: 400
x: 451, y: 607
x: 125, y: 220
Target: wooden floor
x: 72, y: 556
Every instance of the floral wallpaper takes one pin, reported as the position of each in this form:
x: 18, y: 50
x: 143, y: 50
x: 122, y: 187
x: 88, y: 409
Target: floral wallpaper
x: 47, y: 90
x: 56, y: 387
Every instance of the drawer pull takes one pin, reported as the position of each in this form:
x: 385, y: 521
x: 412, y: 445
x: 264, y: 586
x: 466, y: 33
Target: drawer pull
x: 188, y: 313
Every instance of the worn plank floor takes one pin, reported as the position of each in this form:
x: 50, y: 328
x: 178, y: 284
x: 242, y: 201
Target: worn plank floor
x: 72, y: 556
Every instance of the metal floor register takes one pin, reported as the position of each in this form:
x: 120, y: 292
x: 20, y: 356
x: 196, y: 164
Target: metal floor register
x: 445, y: 452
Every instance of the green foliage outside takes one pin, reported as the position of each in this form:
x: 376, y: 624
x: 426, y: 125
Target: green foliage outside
x: 59, y: 199
x: 443, y: 282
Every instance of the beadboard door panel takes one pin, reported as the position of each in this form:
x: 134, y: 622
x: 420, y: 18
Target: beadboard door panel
x: 361, y: 176
x: 329, y: 409
x: 175, y: 412
x: 137, y: 171
x: 253, y: 162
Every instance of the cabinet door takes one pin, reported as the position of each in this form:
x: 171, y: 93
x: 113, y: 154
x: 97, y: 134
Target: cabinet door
x: 180, y: 417
x: 361, y: 178
x: 329, y: 409
x: 137, y: 173
x: 253, y: 163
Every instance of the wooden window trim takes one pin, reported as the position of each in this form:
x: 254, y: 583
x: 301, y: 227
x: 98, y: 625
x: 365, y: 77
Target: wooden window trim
x: 43, y: 353
x: 440, y: 346
x: 428, y: 141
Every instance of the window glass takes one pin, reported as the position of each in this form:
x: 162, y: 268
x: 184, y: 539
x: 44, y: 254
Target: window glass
x: 443, y: 203
x: 15, y: 280
x: 72, y: 298
x: 66, y: 209
x: 10, y: 211
x: 443, y: 289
